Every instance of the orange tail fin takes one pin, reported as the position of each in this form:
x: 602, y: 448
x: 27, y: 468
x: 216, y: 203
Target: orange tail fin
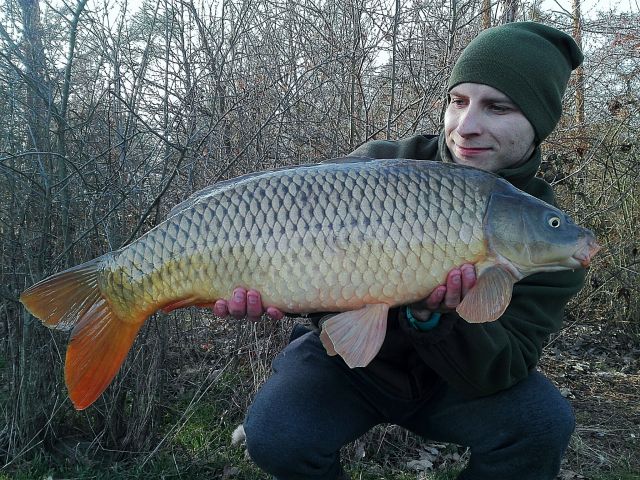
x: 100, y: 340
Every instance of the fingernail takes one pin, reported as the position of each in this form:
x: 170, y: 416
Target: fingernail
x: 237, y: 295
x: 456, y: 279
x: 252, y: 299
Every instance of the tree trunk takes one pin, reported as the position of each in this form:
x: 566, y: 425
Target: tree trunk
x: 579, y: 75
x: 394, y: 49
x: 486, y: 14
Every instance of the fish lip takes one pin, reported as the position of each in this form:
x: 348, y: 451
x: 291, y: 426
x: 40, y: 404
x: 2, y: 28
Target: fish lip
x: 587, y: 252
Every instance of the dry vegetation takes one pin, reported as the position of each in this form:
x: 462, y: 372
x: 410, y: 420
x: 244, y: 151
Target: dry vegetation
x: 108, y: 119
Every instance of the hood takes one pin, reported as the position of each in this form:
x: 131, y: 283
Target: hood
x: 519, y: 176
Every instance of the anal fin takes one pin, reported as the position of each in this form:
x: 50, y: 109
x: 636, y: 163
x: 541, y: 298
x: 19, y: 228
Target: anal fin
x: 187, y: 302
x: 356, y: 335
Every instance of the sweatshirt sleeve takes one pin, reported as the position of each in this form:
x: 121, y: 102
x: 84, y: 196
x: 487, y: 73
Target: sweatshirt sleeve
x: 481, y: 359
x: 417, y: 147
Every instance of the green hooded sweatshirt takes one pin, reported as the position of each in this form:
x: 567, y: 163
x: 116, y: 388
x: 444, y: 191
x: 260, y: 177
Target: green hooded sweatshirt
x: 475, y: 359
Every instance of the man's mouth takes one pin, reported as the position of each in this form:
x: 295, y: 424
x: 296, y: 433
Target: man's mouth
x: 471, y: 150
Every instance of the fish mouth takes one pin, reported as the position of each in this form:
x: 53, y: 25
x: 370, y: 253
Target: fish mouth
x: 586, y: 253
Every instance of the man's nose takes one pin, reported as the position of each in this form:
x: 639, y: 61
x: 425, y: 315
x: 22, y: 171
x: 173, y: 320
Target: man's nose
x: 469, y: 123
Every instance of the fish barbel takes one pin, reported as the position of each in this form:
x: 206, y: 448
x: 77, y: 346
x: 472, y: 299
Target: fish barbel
x: 353, y: 235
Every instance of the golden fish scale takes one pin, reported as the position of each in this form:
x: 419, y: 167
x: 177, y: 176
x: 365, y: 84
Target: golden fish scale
x: 325, y: 237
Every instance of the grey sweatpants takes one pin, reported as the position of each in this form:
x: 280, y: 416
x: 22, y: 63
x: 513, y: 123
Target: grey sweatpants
x: 313, y: 404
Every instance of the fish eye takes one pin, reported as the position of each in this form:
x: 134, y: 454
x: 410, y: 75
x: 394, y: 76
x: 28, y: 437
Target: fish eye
x: 554, y: 222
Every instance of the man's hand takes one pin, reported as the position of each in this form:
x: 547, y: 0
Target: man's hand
x: 448, y: 296
x: 245, y: 303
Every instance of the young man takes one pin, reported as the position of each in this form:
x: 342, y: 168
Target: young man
x: 445, y: 379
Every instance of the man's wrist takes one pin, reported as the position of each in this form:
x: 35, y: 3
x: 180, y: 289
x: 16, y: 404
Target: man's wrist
x: 429, y: 323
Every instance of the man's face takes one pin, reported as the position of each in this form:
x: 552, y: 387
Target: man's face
x: 485, y: 129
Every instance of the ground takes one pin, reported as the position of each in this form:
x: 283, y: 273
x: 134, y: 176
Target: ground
x: 599, y: 371
x: 596, y: 366
x: 216, y: 367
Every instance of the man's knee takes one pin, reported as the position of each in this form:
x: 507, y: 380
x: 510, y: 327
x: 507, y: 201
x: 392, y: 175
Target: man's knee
x: 286, y: 450
x: 560, y: 424
x: 545, y: 428
x: 545, y: 416
x: 266, y: 444
x: 267, y: 450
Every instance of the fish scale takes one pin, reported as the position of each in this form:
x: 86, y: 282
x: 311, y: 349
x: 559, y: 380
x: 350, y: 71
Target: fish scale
x: 356, y: 236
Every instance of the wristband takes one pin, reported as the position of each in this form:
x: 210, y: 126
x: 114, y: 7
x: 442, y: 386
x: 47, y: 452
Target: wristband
x: 425, y: 326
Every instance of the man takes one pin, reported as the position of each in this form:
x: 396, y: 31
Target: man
x: 437, y: 375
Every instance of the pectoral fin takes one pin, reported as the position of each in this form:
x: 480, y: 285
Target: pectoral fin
x: 327, y: 344
x: 489, y: 297
x: 356, y: 335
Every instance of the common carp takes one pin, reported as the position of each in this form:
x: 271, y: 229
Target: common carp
x: 353, y: 235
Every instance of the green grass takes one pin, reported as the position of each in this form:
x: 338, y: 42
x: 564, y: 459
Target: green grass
x: 163, y: 468
x: 618, y: 475
x: 202, y: 443
x: 369, y: 471
x: 195, y: 444
x: 195, y: 440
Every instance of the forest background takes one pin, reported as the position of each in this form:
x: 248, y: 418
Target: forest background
x: 110, y: 114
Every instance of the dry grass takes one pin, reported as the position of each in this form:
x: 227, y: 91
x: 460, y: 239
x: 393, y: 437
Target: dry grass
x: 190, y: 377
x: 194, y: 393
x: 599, y: 371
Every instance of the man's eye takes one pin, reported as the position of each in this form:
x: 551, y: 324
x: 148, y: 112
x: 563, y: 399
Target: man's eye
x: 499, y: 108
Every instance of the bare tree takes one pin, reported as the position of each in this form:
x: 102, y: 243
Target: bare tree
x: 111, y: 120
x: 579, y: 74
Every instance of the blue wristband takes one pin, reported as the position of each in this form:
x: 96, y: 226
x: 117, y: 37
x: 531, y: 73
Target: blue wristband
x: 425, y: 326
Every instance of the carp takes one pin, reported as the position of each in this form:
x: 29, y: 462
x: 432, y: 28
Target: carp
x: 352, y: 235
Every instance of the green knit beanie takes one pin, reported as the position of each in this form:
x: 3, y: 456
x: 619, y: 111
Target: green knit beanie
x: 527, y: 61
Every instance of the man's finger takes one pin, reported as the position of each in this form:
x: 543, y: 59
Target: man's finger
x: 468, y: 272
x: 254, y: 305
x: 220, y: 309
x: 454, y: 289
x: 436, y: 297
x: 238, y: 303
x: 274, y: 313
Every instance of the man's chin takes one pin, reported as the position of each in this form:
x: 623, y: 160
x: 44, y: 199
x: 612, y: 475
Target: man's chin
x: 474, y: 161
